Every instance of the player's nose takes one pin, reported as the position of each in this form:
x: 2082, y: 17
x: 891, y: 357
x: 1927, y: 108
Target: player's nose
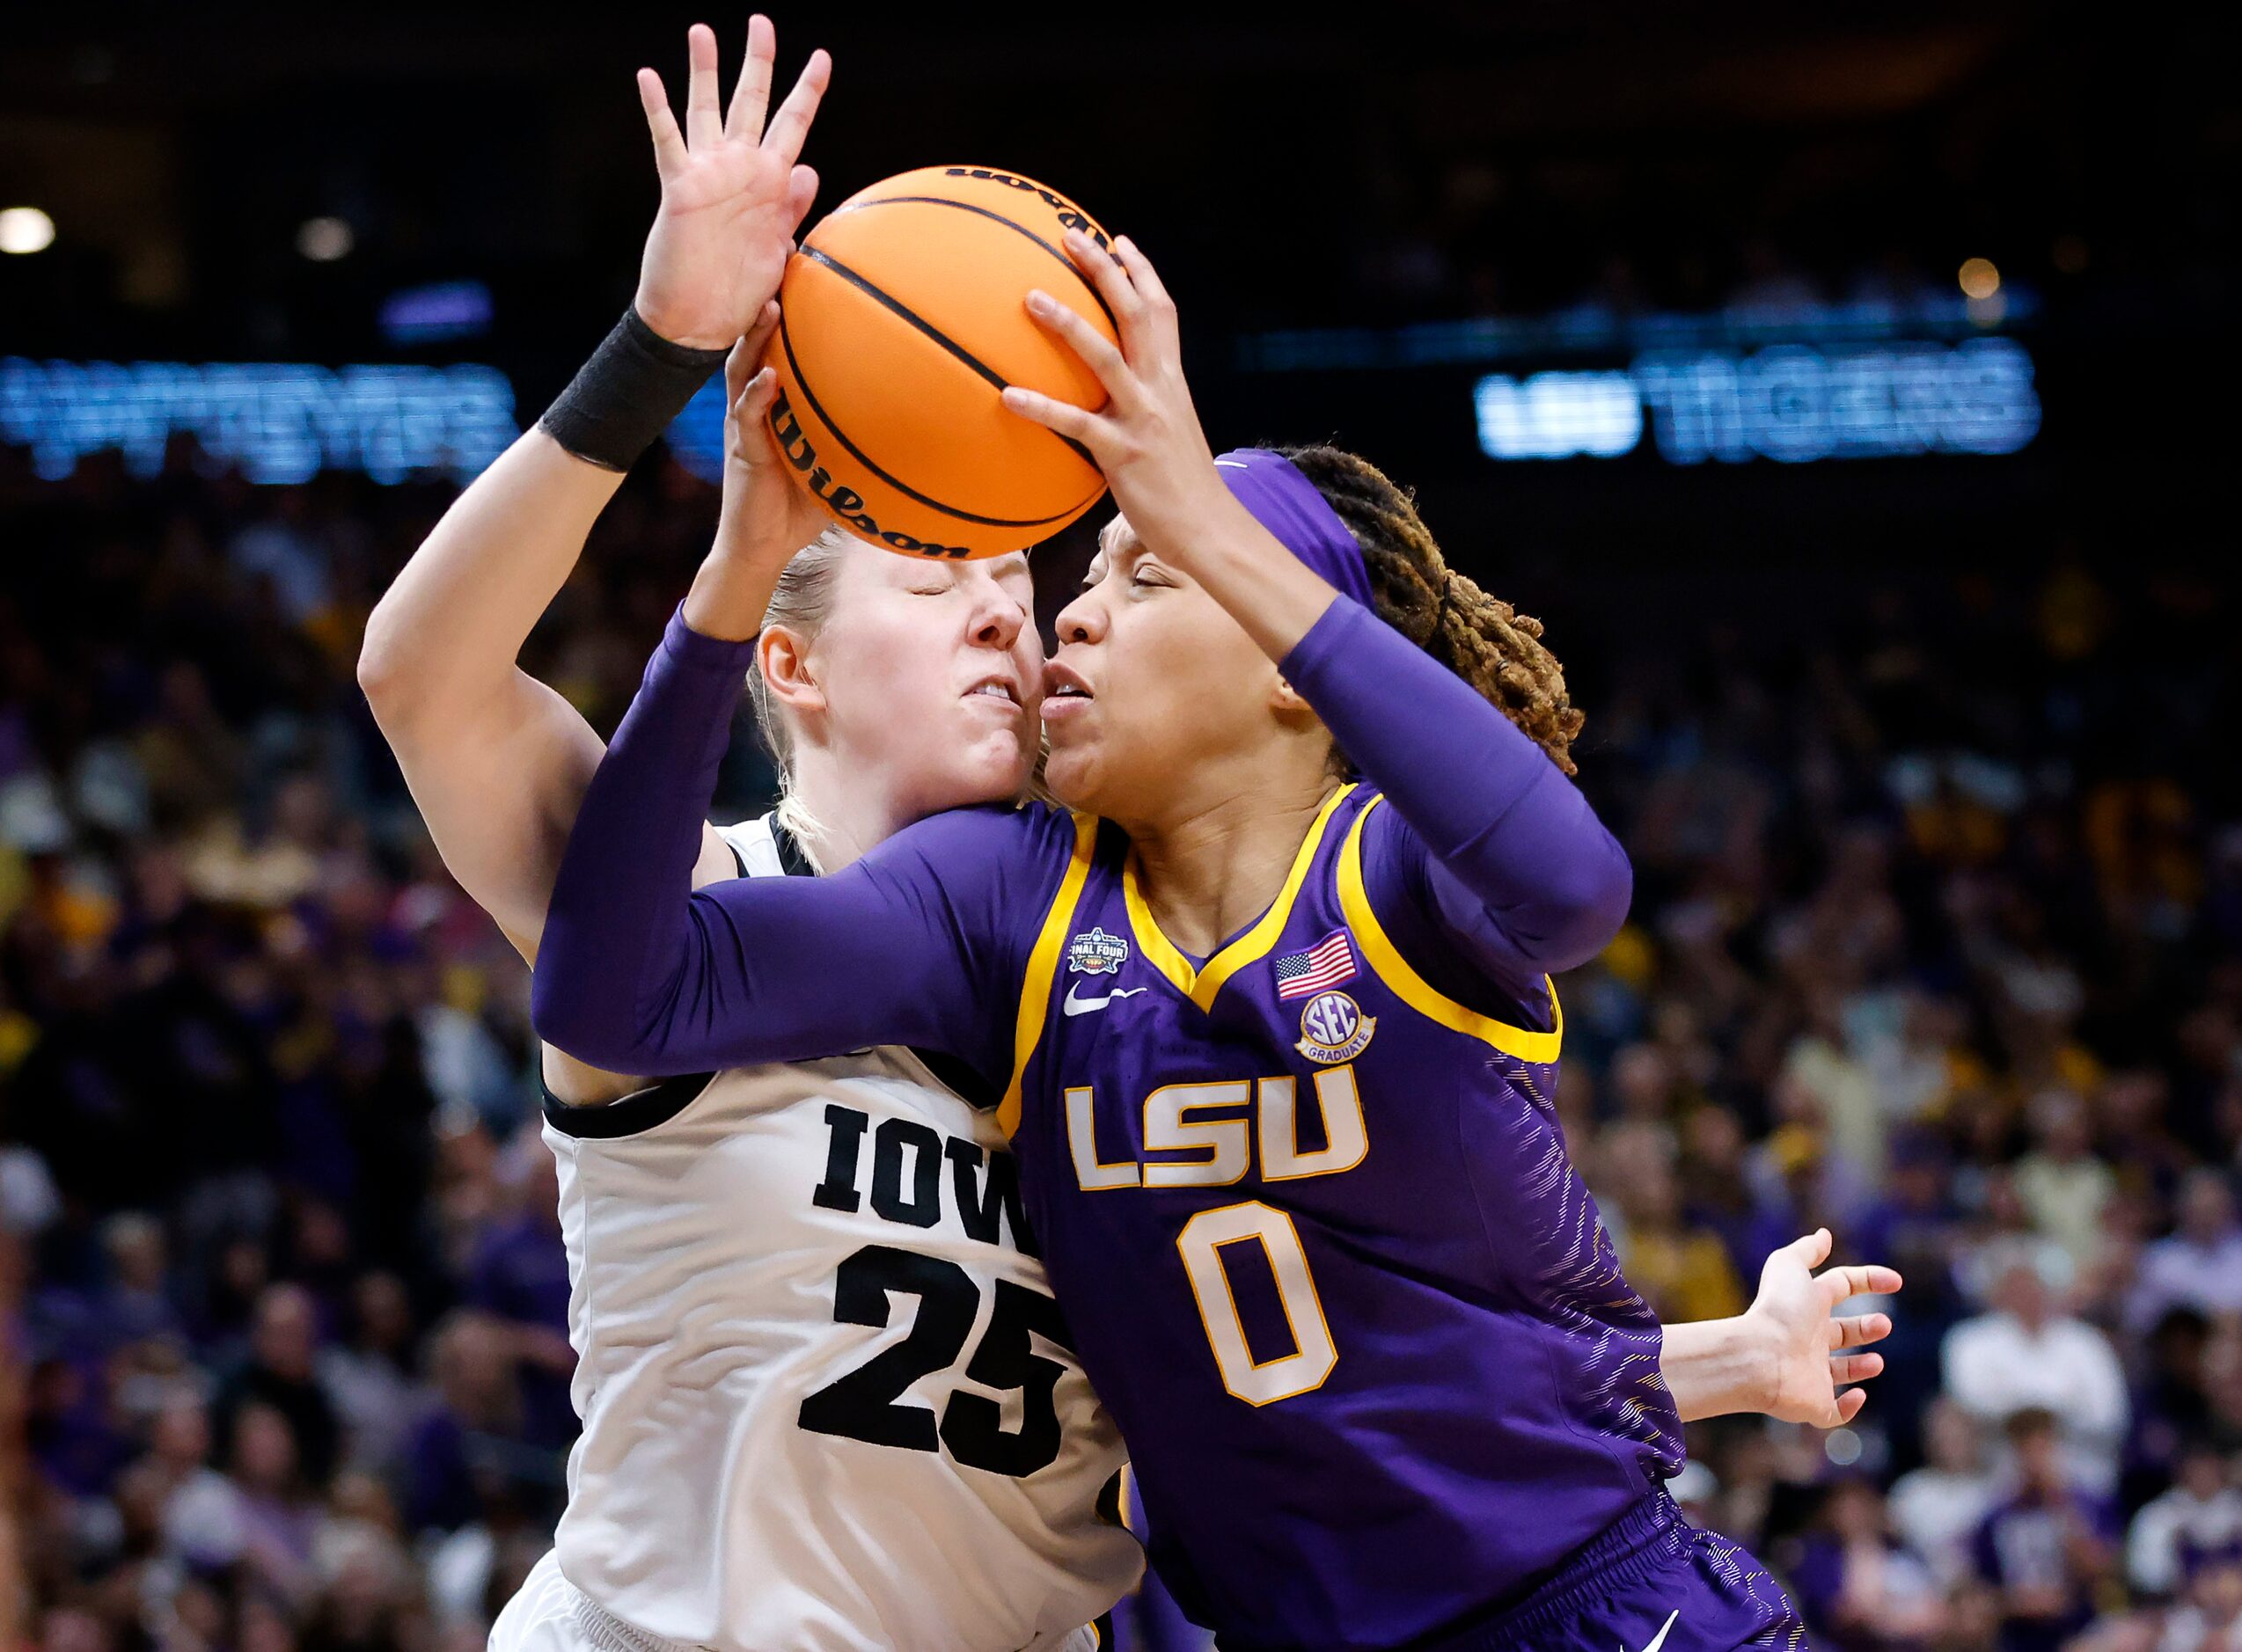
x: 999, y: 617
x: 1081, y: 621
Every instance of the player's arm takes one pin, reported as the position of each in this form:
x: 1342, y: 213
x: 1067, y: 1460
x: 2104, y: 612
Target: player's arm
x: 1524, y: 864
x: 914, y: 944
x: 496, y: 760
x: 1788, y: 1354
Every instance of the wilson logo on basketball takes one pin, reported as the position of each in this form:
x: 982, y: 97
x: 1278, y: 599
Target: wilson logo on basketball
x: 1069, y: 215
x: 845, y: 503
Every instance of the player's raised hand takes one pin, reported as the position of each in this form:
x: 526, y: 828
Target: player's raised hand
x: 732, y: 191
x: 766, y: 514
x: 1147, y: 439
x: 1810, y: 1351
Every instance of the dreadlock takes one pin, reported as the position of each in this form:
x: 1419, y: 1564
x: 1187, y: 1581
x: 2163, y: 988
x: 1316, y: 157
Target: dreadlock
x: 1480, y: 637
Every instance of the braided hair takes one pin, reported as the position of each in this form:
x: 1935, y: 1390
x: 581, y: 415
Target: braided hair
x: 1480, y: 637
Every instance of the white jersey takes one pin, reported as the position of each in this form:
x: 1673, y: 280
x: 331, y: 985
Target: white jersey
x: 827, y: 1397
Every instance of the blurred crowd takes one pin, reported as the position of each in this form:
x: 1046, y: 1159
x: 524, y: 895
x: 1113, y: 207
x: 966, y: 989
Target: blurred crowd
x: 291, y: 1326
x: 1935, y: 942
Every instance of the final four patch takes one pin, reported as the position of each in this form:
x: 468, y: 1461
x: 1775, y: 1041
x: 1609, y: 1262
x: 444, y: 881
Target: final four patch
x: 1333, y: 1028
x: 1096, y: 954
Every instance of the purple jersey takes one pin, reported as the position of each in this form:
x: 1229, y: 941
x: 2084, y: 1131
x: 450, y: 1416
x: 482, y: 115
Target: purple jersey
x: 1305, y: 1203
x: 1335, y: 1277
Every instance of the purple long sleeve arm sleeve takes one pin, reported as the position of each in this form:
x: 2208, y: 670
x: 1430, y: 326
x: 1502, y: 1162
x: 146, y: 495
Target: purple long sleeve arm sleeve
x: 639, y: 973
x: 1518, y: 870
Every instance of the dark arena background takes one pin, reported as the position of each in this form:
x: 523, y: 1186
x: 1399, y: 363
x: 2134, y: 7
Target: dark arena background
x: 1849, y: 390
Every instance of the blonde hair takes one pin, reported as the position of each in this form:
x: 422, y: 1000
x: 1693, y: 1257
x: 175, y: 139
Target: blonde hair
x: 802, y: 602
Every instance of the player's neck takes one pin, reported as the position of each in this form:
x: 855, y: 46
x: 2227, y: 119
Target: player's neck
x: 851, y: 816
x: 1209, y: 873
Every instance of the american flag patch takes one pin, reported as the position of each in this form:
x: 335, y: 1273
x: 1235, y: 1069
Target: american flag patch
x: 1323, y: 966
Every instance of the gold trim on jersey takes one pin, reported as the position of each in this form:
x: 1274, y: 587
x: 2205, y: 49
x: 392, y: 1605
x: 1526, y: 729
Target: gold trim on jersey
x: 1412, y: 988
x: 1042, y: 965
x: 1200, y: 985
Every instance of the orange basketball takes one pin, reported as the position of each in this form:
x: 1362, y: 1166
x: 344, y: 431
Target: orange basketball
x: 901, y: 322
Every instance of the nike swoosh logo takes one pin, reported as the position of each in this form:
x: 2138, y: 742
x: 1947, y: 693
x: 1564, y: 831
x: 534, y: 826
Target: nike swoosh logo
x: 1659, y: 1640
x: 1086, y: 1006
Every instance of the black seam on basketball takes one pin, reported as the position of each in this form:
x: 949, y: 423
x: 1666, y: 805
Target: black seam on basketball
x: 1059, y: 252
x: 937, y: 335
x: 785, y: 343
x: 888, y: 300
x: 900, y: 309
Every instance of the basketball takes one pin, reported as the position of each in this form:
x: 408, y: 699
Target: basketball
x: 902, y: 321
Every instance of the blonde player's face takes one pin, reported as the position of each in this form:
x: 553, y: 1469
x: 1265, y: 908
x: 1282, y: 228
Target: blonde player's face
x: 932, y: 674
x: 1152, y: 684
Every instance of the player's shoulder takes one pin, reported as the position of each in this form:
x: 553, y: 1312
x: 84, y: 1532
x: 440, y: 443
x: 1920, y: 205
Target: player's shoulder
x: 995, y: 869
x: 1029, y: 838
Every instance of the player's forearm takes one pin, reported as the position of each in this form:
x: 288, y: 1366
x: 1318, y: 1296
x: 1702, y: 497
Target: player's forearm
x: 733, y: 586
x: 495, y: 760
x: 450, y: 627
x: 637, y: 973
x: 1715, y: 1368
x: 1489, y: 804
x: 1246, y: 569
x: 618, y: 938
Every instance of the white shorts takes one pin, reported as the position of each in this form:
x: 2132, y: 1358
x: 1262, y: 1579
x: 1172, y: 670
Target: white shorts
x: 548, y: 1614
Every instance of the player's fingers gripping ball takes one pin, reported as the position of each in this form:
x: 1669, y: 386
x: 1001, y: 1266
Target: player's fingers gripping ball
x: 902, y: 320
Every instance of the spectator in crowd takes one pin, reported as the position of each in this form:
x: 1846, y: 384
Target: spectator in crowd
x: 1822, y: 1063
x: 2047, y: 1546
x: 2173, y: 1401
x: 1937, y: 1508
x: 518, y: 1275
x: 369, y: 1376
x: 2003, y: 1233
x: 281, y: 1372
x: 280, y: 1519
x: 2027, y: 1354
x: 2210, y: 1620
x: 136, y: 1303
x: 1860, y: 1589
x: 2197, y: 1524
x: 1683, y: 1271
x: 2065, y: 1189
x: 461, y: 1443
x: 2199, y: 1265
x: 203, y: 1520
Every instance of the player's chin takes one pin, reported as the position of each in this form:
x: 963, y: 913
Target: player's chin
x: 991, y: 767
x: 1070, y: 774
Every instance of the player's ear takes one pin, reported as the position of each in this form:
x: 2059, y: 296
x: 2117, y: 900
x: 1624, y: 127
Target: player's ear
x: 782, y: 654
x: 1286, y: 701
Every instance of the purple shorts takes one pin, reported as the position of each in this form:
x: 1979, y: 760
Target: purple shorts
x: 1652, y: 1582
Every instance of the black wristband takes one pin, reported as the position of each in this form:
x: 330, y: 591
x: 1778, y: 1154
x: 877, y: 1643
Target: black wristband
x: 625, y: 396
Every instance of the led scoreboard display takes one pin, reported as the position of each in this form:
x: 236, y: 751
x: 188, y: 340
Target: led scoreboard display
x: 1824, y: 383
x: 279, y: 421
x: 1832, y: 381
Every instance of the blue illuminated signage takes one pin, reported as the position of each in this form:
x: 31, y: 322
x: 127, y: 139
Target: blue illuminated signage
x: 1789, y: 402
x: 1868, y: 379
x: 437, y: 312
x: 696, y: 436
x: 279, y: 421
